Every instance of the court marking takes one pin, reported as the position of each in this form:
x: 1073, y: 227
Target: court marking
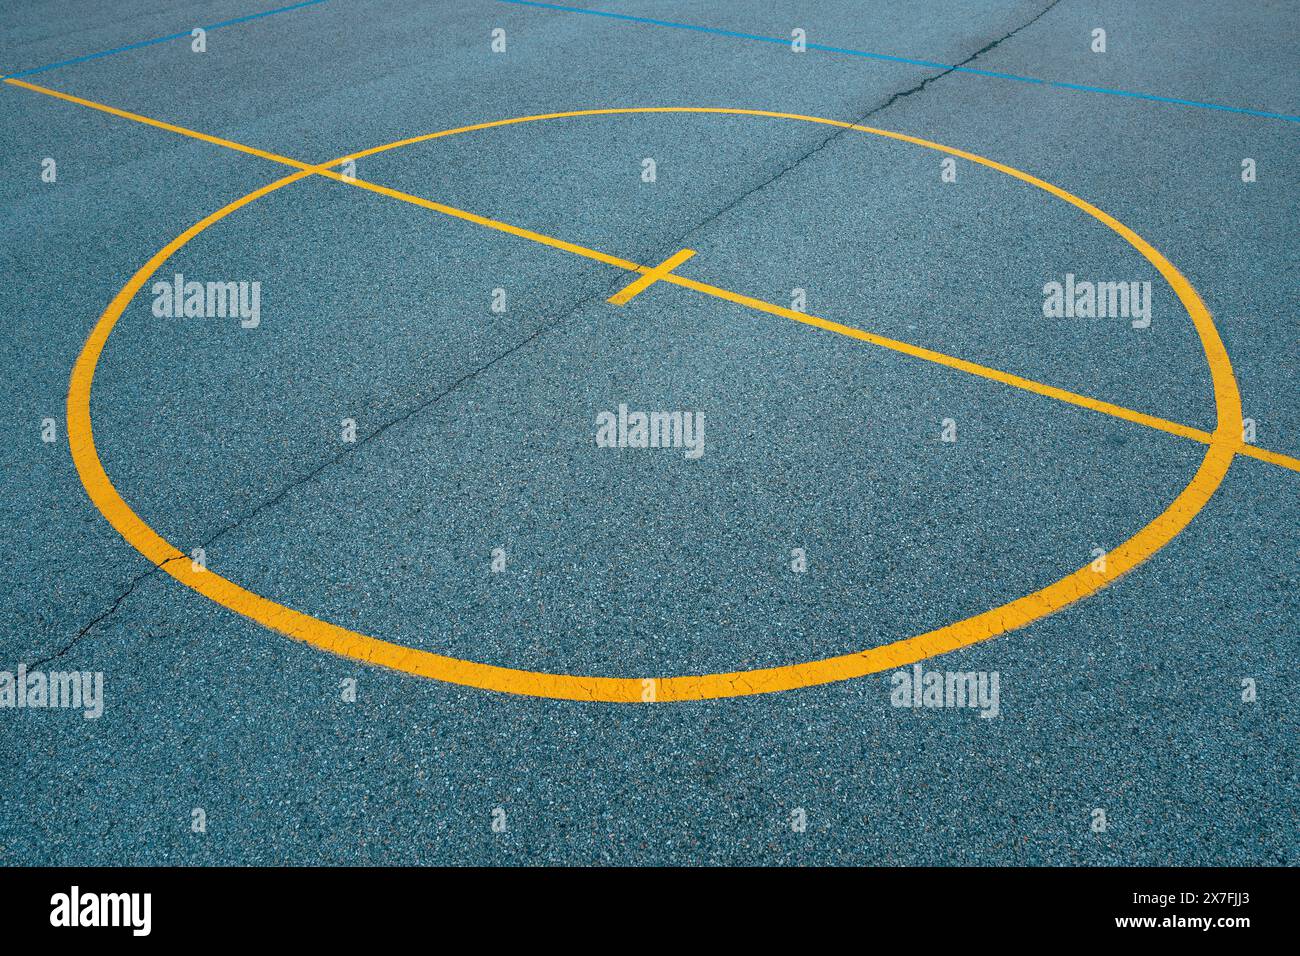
x: 647, y: 279
x: 1147, y: 541
x: 159, y: 124
x: 972, y: 368
x: 156, y: 40
x: 910, y: 61
x: 718, y: 31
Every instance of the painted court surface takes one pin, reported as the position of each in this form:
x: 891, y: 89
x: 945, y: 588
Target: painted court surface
x: 364, y: 584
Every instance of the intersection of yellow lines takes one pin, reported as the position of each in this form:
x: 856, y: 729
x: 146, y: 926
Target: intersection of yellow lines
x: 663, y: 272
x: 1222, y: 447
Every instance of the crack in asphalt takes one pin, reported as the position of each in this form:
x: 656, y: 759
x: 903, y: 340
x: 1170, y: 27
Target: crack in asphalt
x: 91, y: 624
x: 312, y: 475
x: 839, y: 131
x: 533, y: 337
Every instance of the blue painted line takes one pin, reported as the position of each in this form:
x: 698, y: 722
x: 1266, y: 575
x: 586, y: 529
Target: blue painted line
x: 166, y: 39
x: 1175, y: 100
x: 928, y: 64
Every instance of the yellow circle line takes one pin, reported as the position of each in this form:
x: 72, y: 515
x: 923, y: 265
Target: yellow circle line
x: 1014, y: 614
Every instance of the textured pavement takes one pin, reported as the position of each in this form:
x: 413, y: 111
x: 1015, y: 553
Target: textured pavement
x: 475, y: 432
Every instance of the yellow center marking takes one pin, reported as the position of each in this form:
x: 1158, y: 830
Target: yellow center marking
x: 916, y: 351
x: 1006, y: 378
x: 651, y: 276
x: 1223, y: 444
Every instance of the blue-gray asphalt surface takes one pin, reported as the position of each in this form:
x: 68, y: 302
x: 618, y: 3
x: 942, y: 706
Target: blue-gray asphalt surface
x: 476, y: 432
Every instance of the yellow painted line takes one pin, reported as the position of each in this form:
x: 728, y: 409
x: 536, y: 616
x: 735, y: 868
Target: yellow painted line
x: 1223, y: 445
x: 649, y: 275
x: 505, y: 227
x: 1272, y: 457
x: 159, y: 124
x: 81, y: 439
x: 325, y: 169
x: 930, y: 355
x: 939, y: 358
x: 637, y: 286
x: 1006, y: 378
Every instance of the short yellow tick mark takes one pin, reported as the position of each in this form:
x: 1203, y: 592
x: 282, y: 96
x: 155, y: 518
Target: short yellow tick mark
x: 650, y: 277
